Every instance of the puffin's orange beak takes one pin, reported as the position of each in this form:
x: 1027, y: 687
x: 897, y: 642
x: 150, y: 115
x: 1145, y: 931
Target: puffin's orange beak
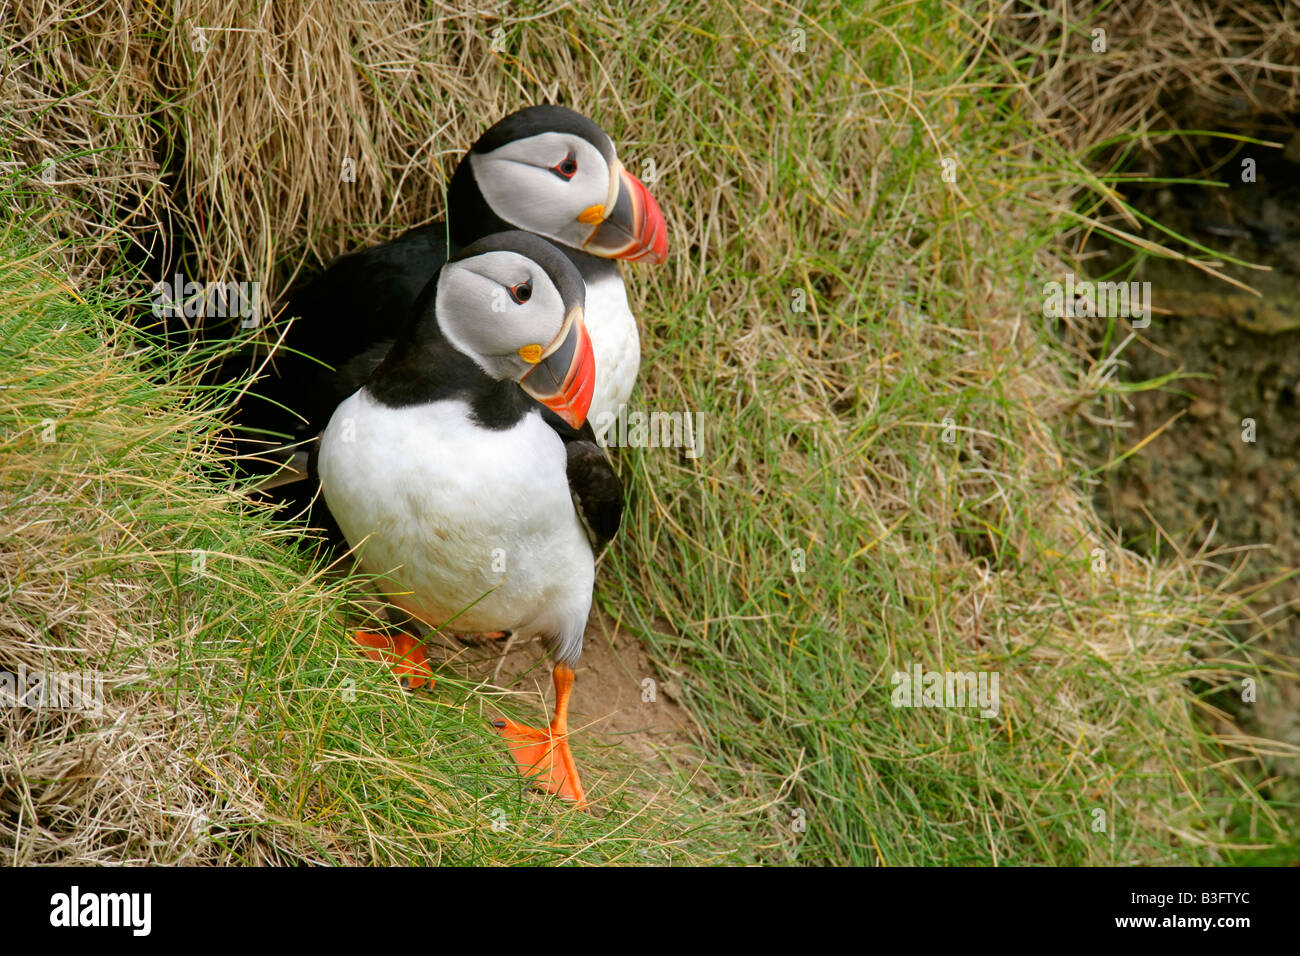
x: 564, y: 378
x: 630, y: 226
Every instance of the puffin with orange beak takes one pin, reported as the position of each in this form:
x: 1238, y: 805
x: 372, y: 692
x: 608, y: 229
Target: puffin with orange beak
x: 545, y: 170
x: 474, y: 512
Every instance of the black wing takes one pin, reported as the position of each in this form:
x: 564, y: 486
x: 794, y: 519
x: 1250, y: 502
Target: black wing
x: 596, y: 489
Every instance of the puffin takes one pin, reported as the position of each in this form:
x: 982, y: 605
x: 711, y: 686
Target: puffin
x: 544, y: 169
x: 472, y: 510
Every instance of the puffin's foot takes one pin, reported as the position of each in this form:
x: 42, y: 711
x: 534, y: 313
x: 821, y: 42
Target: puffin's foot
x: 403, y: 653
x: 480, y: 638
x: 545, y: 757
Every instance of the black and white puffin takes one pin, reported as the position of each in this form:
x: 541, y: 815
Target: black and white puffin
x: 475, y: 513
x: 543, y: 169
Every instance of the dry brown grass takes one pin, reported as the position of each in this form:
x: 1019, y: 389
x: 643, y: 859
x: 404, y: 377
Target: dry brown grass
x: 1191, y: 65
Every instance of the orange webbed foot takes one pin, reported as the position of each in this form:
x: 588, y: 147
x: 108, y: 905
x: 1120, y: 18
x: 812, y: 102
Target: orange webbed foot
x: 545, y: 757
x: 403, y: 653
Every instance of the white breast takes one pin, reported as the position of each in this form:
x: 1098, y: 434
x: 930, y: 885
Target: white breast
x: 453, y: 515
x: 614, y: 342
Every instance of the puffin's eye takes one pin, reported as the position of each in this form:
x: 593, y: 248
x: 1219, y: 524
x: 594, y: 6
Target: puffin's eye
x: 521, y: 292
x: 566, y: 168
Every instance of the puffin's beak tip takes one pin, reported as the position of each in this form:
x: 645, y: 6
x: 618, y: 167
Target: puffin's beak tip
x: 567, y: 382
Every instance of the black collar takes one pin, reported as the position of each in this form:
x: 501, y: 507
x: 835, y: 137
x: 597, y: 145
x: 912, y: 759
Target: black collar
x: 421, y: 369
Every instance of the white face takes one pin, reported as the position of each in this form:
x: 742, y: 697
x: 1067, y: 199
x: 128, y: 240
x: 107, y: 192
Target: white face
x: 491, y: 306
x: 542, y: 184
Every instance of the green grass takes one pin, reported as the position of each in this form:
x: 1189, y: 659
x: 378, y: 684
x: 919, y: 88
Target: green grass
x: 817, y: 171
x: 826, y: 435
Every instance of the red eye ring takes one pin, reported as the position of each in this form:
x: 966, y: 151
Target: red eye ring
x: 566, y: 168
x: 521, y: 292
